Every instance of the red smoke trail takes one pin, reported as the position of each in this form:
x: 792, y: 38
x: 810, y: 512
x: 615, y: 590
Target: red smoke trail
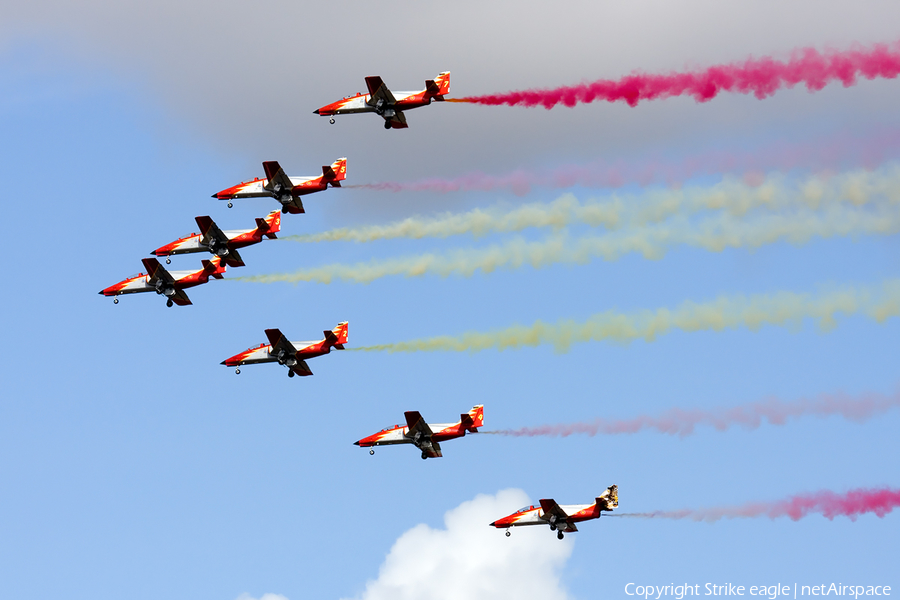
x: 837, y: 152
x: 749, y: 416
x: 761, y: 77
x: 827, y: 503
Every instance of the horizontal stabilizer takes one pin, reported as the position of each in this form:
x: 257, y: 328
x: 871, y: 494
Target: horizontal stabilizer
x: 263, y: 228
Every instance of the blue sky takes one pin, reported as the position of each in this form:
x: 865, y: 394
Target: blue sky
x: 134, y: 464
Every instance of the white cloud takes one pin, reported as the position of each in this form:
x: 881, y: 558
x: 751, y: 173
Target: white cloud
x: 246, y: 596
x: 469, y: 560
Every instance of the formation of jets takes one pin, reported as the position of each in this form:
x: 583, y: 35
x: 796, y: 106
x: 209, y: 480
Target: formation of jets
x: 224, y: 246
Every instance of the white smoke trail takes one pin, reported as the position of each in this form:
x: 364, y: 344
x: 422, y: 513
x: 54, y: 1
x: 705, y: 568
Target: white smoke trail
x: 775, y: 192
x: 727, y: 312
x: 714, y: 234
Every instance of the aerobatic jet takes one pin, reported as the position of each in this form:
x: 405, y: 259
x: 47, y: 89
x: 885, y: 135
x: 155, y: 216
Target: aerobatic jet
x: 387, y: 105
x: 425, y: 436
x: 561, y: 518
x: 168, y: 284
x: 286, y: 190
x: 293, y: 355
x: 223, y: 244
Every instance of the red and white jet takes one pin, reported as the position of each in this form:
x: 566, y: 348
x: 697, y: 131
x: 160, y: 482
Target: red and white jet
x: 286, y: 190
x: 561, y: 518
x: 171, y: 285
x: 293, y: 355
x: 389, y: 106
x: 425, y: 436
x: 223, y: 244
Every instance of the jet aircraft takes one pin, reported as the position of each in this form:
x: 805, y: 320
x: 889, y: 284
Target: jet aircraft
x: 293, y: 355
x: 223, y: 244
x: 425, y: 436
x: 387, y: 105
x: 171, y: 285
x: 561, y: 518
x: 286, y: 190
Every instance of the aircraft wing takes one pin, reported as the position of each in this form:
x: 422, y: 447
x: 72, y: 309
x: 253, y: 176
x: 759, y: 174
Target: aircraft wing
x: 157, y: 272
x: 301, y: 368
x: 210, y: 231
x: 233, y: 259
x: 398, y: 121
x: 278, y: 180
x: 279, y: 342
x: 180, y: 298
x: 551, y: 508
x: 416, y: 424
x: 379, y: 91
x: 432, y: 449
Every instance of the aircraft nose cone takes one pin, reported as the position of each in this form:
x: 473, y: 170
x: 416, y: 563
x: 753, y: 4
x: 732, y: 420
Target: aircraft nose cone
x: 354, y: 443
x: 494, y: 524
x: 216, y: 195
x: 315, y: 112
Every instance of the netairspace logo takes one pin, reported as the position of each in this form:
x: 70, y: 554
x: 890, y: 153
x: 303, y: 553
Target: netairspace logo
x: 772, y: 592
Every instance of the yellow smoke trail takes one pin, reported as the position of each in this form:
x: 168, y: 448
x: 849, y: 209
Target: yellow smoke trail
x: 775, y: 192
x: 714, y: 234
x: 726, y: 312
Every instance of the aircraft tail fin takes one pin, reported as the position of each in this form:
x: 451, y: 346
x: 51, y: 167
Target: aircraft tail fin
x: 438, y: 86
x: 609, y: 499
x: 270, y: 225
x: 337, y: 336
x: 473, y: 419
x: 335, y: 173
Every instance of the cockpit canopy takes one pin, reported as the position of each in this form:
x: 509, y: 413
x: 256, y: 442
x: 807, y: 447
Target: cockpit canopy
x: 525, y: 509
